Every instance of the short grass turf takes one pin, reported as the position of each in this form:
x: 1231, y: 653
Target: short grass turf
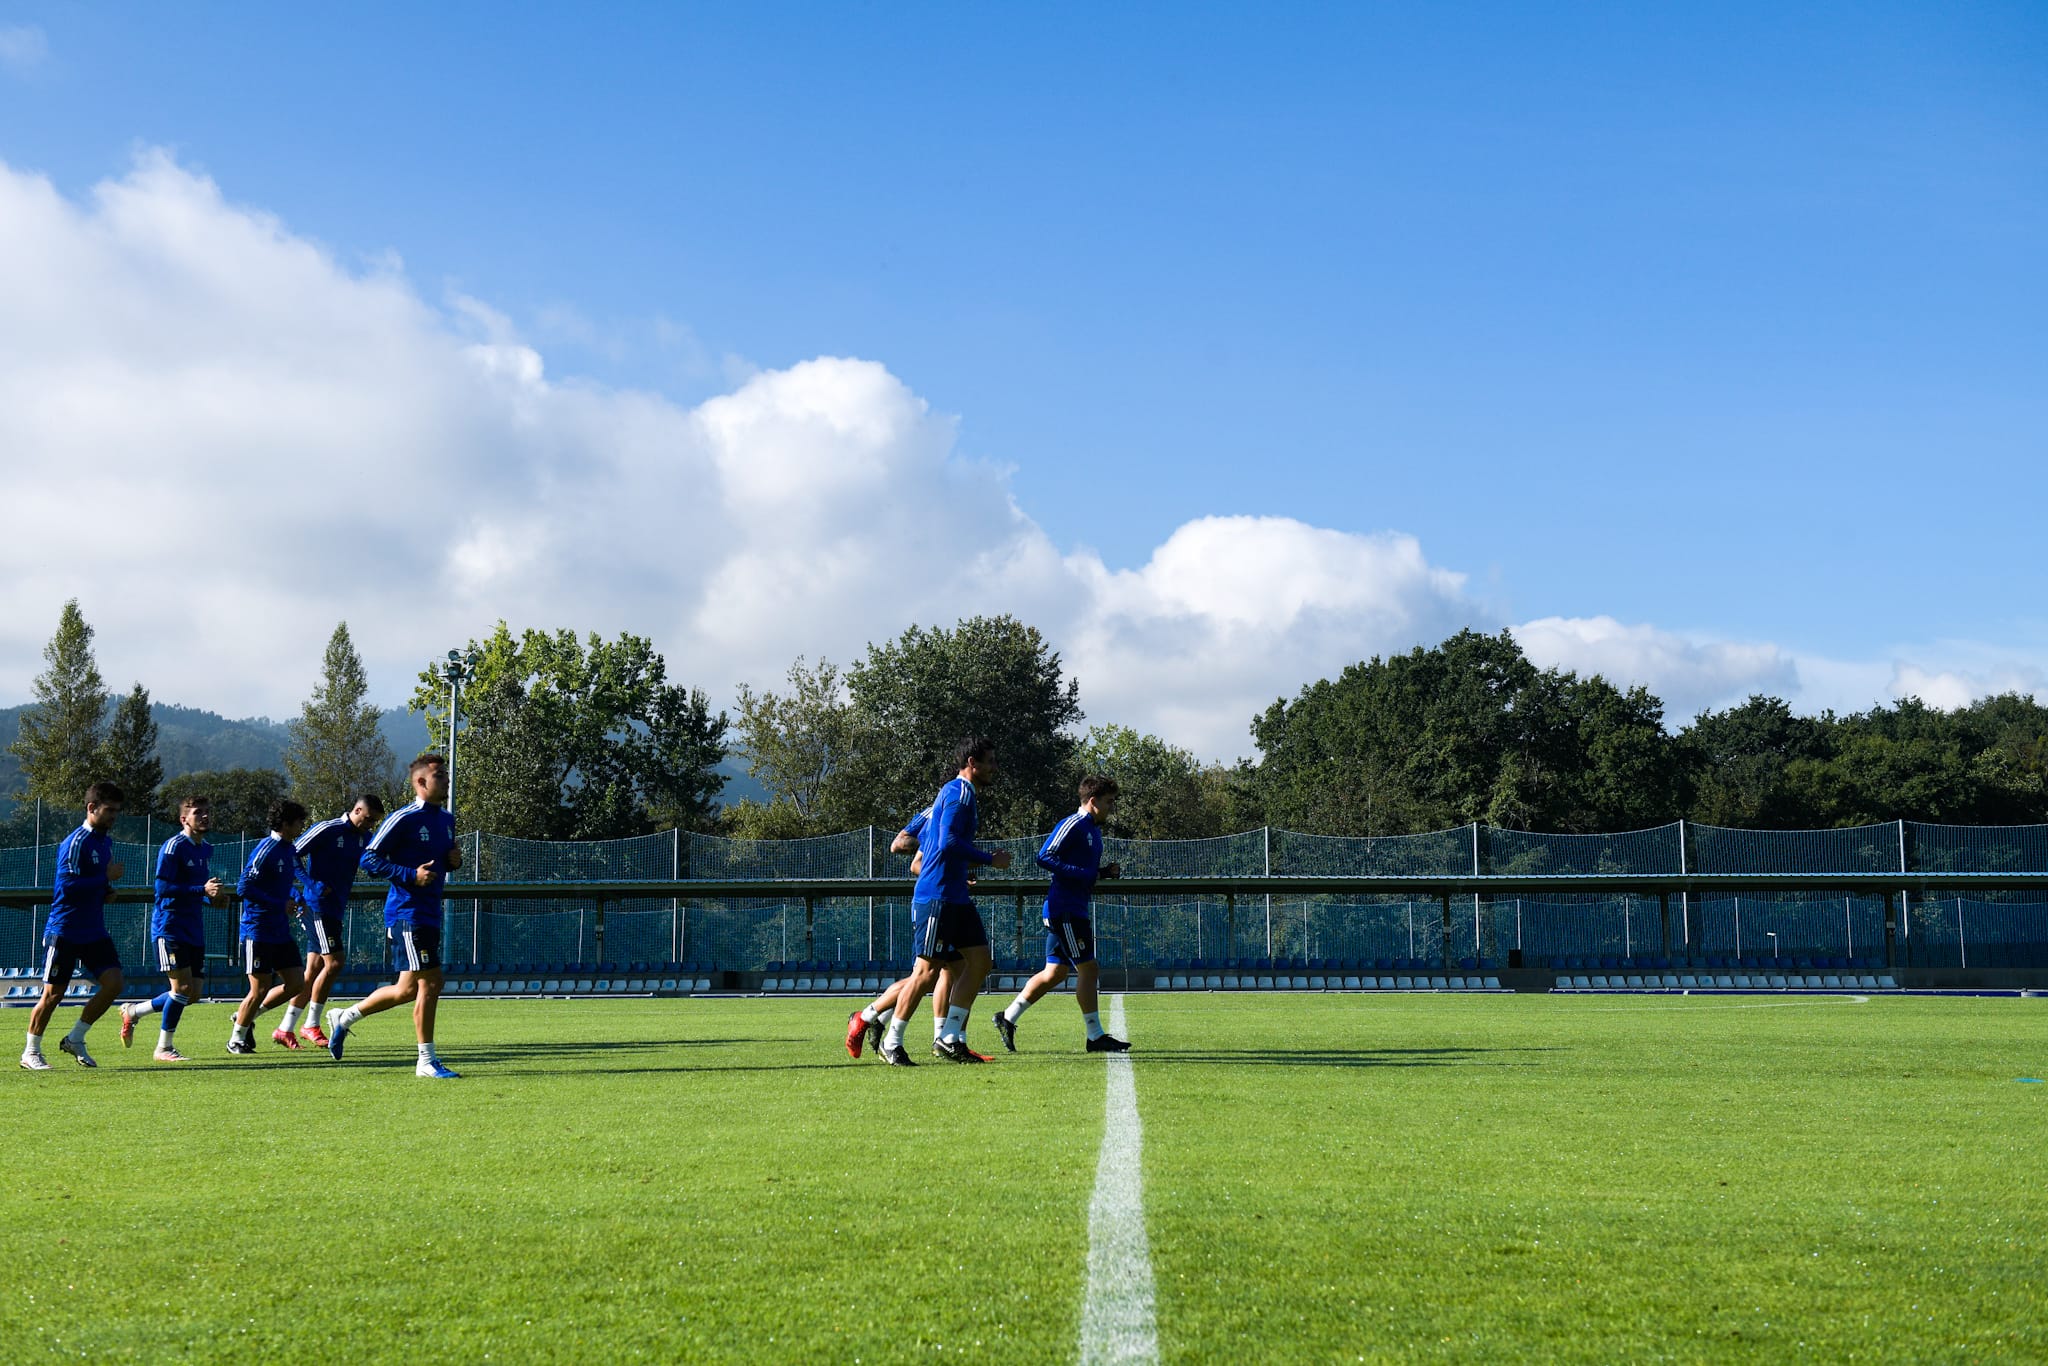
x: 1327, y: 1178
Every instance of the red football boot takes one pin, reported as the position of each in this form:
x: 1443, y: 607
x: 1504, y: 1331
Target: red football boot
x: 314, y: 1035
x: 284, y: 1038
x: 856, y: 1034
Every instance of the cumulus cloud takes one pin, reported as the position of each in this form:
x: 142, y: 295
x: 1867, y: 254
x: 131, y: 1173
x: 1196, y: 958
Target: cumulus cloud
x: 22, y: 47
x: 222, y: 440
x: 1690, y: 675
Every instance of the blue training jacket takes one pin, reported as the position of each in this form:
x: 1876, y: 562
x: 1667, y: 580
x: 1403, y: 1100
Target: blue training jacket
x: 1072, y: 853
x: 329, y: 855
x: 410, y: 838
x: 949, y: 847
x: 182, y: 872
x: 266, y: 889
x: 78, y: 902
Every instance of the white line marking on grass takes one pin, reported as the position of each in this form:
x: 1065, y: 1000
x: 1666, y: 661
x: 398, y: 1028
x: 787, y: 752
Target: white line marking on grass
x: 1722, y: 1003
x: 1116, y: 1317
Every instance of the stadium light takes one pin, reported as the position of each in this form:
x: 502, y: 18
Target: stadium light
x: 457, y: 669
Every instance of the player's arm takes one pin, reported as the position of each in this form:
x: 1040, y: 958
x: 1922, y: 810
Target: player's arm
x: 1053, y: 858
x: 81, y: 877
x: 959, y: 836
x: 377, y: 865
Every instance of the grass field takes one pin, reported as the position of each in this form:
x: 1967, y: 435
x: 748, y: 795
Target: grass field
x: 1327, y: 1177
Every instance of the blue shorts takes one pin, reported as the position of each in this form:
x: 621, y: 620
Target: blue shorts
x: 942, y: 931
x: 414, y: 948
x: 97, y: 957
x: 181, y: 955
x: 1071, y: 942
x: 328, y: 930
x: 262, y: 959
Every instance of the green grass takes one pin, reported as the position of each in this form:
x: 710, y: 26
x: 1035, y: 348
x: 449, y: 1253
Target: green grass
x: 1327, y: 1177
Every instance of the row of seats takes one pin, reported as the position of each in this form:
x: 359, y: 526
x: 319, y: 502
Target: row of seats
x: 1350, y: 981
x: 1728, y: 981
x: 1705, y: 963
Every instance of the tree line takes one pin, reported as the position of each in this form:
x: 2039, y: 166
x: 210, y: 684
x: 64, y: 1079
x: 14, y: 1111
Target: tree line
x: 579, y: 737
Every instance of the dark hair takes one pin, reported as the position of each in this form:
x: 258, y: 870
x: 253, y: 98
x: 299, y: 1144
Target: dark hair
x: 192, y: 802
x: 101, y: 793
x: 425, y: 761
x: 973, y: 750
x: 284, y: 811
x: 1097, y: 785
x: 371, y: 800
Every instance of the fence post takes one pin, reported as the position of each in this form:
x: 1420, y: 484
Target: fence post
x: 810, y: 929
x: 597, y: 934
x: 1664, y: 920
x: 1267, y: 835
x: 1444, y: 944
x: 1684, y: 897
x: 1891, y: 942
x: 1905, y: 895
x: 871, y: 896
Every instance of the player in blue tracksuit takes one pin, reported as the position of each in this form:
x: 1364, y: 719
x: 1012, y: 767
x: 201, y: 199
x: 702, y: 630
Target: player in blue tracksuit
x: 330, y: 854
x: 865, y: 1026
x: 177, y: 924
x: 414, y: 850
x: 1073, y: 855
x: 267, y: 947
x: 75, y: 934
x: 944, y: 922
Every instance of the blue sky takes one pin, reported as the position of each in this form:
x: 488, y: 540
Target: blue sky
x: 1727, y: 319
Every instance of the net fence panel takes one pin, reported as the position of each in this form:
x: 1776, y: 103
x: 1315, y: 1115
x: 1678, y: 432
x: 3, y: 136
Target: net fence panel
x: 712, y: 856
x: 1967, y: 932
x: 1824, y: 925
x: 1857, y: 849
x: 1652, y: 851
x: 500, y: 858
x: 1977, y: 848
x: 1438, y: 853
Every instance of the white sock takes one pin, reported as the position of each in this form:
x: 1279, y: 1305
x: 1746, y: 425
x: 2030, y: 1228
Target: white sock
x: 938, y: 1026
x: 1016, y: 1009
x: 291, y: 1019
x: 1093, y: 1018
x: 956, y: 1023
x: 868, y: 1014
x: 135, y: 1010
x: 894, y: 1037
x: 78, y: 1028
x: 34, y: 1045
x: 163, y: 1038
x: 426, y: 1052
x: 245, y: 1031
x: 348, y: 1017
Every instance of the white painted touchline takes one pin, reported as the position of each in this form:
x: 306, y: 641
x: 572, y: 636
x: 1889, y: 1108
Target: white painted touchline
x: 1117, y: 1323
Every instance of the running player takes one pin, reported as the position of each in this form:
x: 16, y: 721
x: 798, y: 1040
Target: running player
x: 942, y: 913
x: 75, y: 935
x: 1073, y: 855
x: 268, y: 949
x: 414, y: 851
x: 867, y: 1025
x: 177, y: 925
x: 329, y: 854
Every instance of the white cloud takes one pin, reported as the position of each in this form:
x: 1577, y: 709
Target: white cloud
x: 222, y: 440
x: 1689, y: 674
x: 1949, y: 689
x: 22, y: 46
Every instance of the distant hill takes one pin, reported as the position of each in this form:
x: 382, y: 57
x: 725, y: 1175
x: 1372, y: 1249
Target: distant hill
x: 190, y: 740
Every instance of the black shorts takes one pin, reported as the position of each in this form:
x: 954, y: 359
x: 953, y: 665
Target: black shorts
x: 1070, y: 942
x: 180, y: 955
x: 97, y: 957
x: 941, y: 932
x: 414, y: 948
x: 258, y: 959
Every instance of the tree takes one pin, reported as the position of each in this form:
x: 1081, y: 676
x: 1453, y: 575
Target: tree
x: 1166, y: 792
x: 1738, y: 761
x: 800, y: 746
x: 337, y: 751
x: 59, y: 742
x: 569, y: 739
x: 128, y: 753
x: 922, y: 693
x: 241, y: 799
